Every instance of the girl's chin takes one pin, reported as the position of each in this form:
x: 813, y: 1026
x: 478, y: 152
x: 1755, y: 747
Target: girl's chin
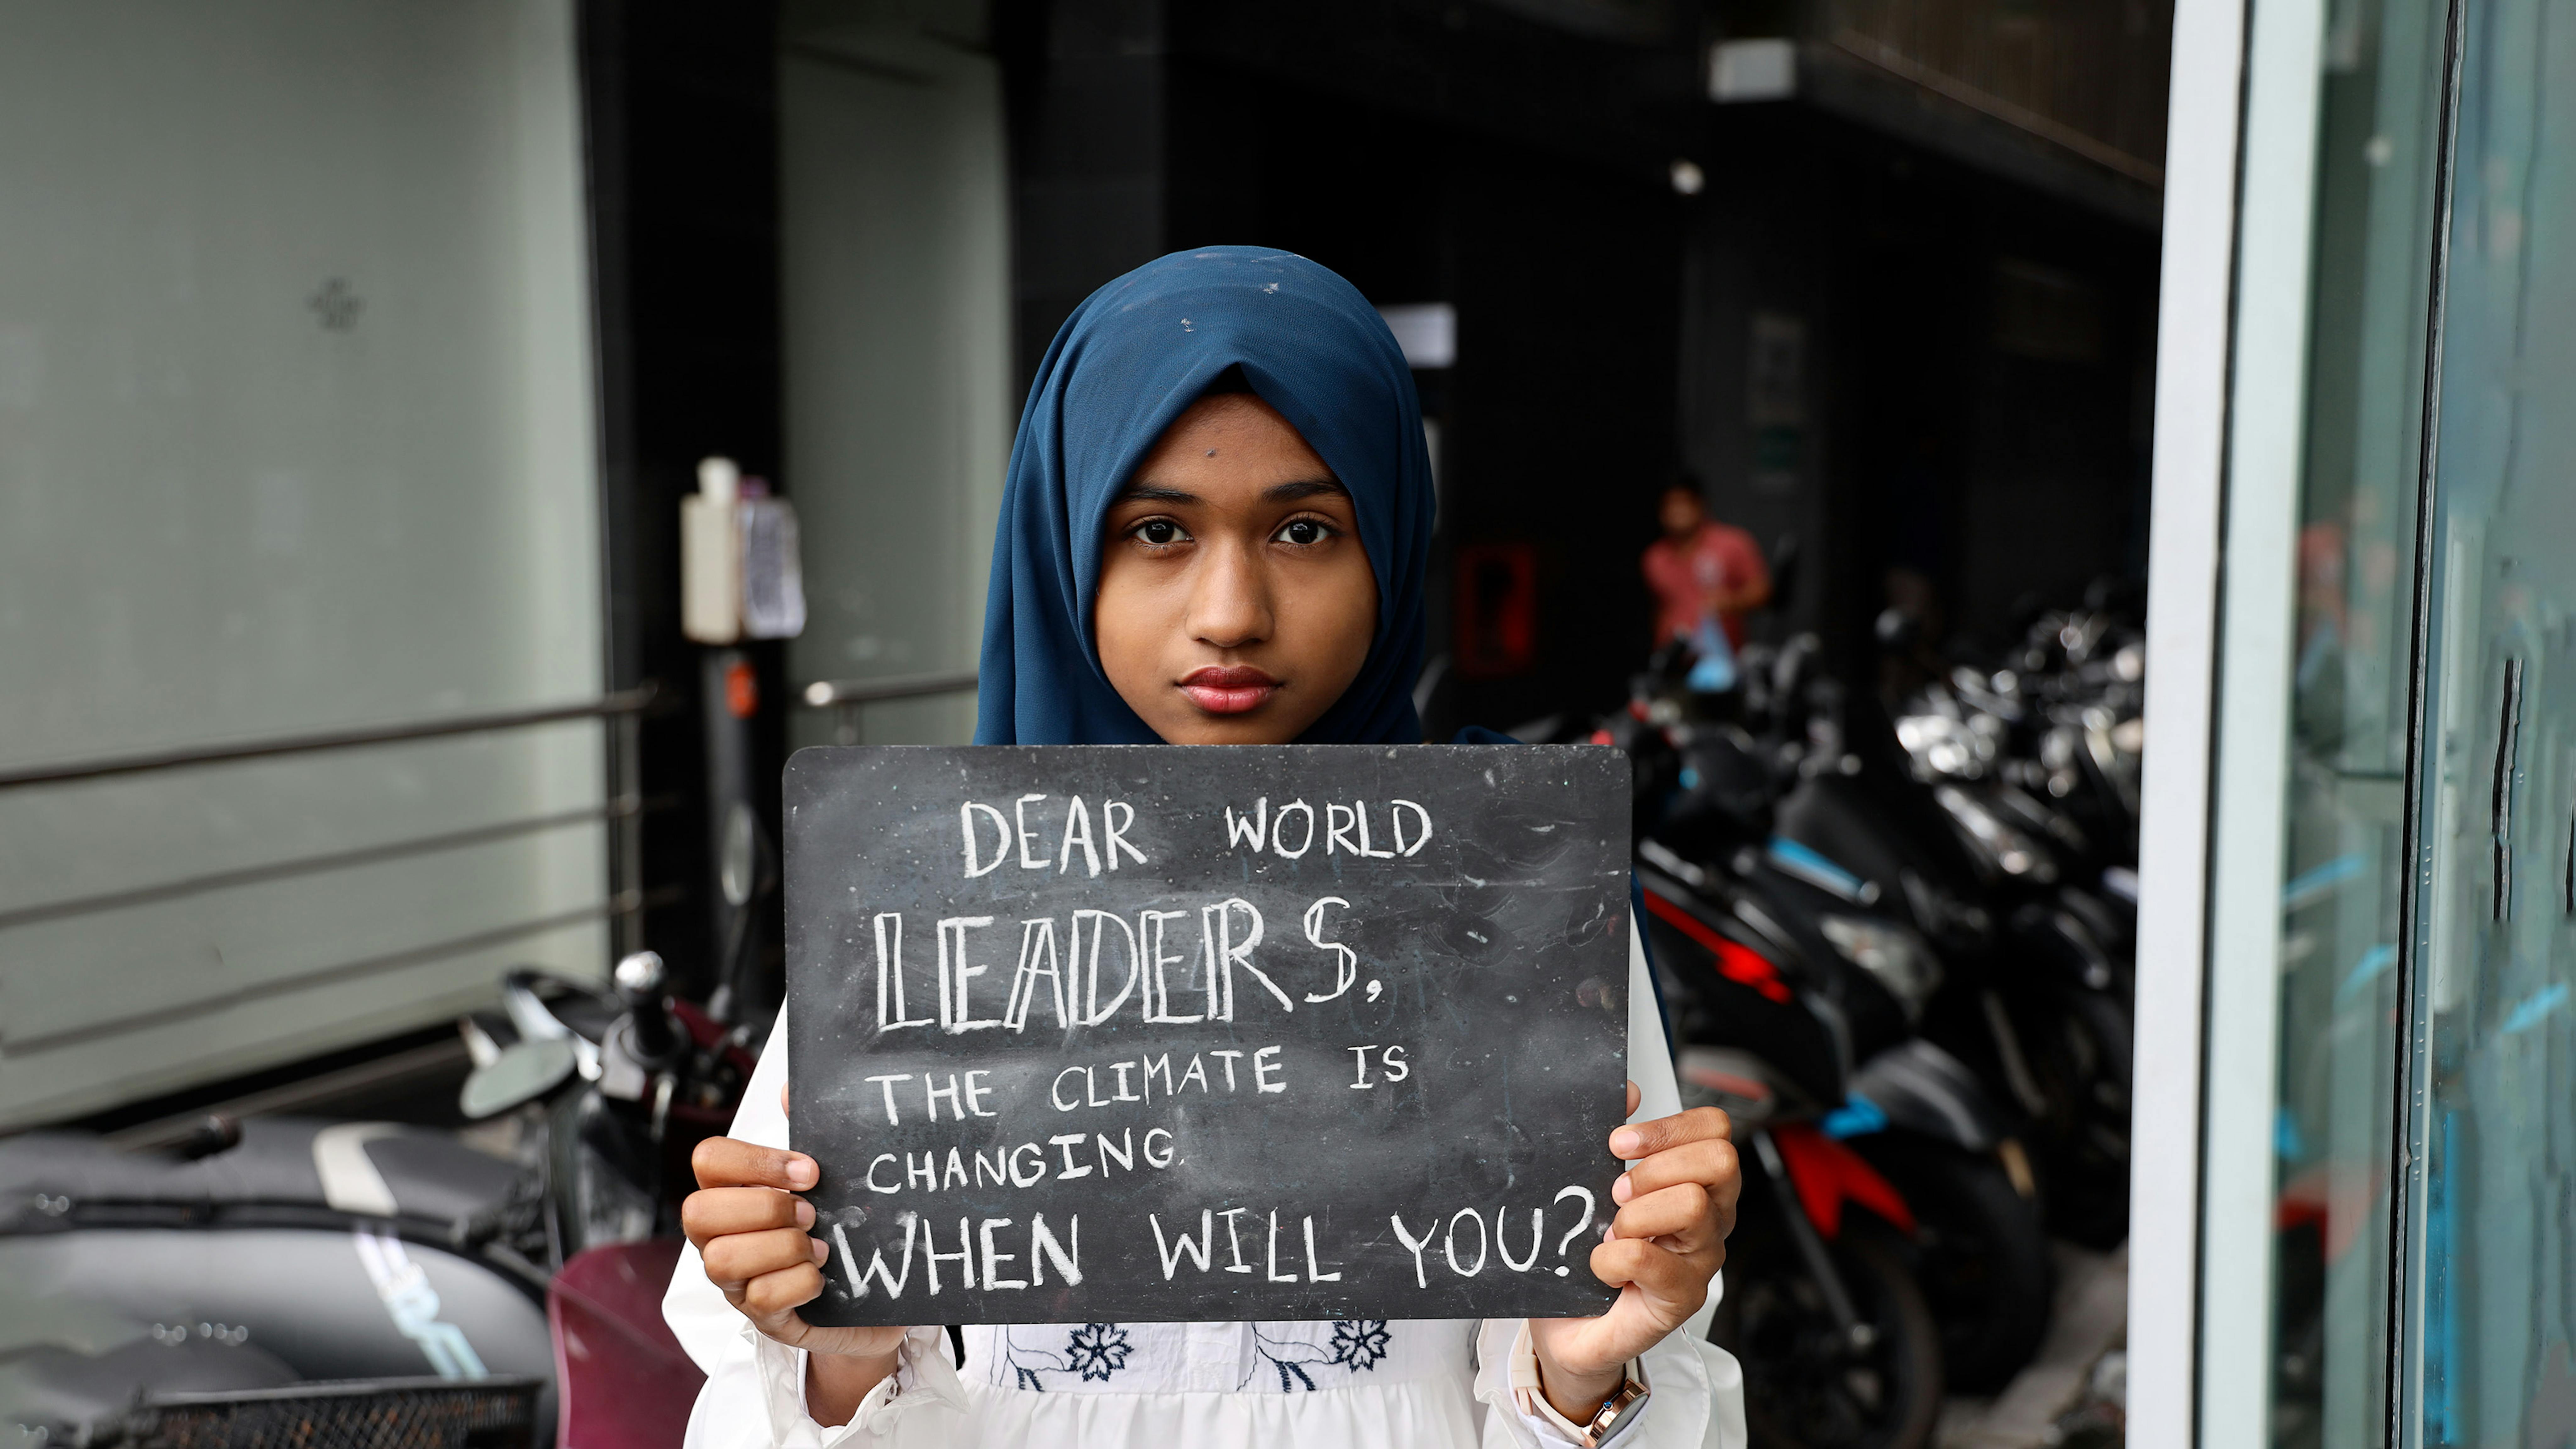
x: 1263, y: 726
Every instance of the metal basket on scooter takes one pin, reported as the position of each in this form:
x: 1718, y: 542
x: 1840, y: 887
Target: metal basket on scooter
x: 409, y: 1413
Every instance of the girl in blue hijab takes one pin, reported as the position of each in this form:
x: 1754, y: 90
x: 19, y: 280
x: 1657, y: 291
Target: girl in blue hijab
x: 1264, y: 360
x: 1214, y: 532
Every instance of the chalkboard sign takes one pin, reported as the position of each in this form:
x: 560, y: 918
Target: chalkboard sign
x: 1166, y: 1033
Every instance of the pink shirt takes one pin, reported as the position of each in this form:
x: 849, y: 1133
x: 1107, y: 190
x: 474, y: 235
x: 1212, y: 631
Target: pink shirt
x: 1688, y: 578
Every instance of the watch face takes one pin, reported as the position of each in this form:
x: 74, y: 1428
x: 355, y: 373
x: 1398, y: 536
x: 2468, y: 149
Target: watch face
x: 1616, y: 1415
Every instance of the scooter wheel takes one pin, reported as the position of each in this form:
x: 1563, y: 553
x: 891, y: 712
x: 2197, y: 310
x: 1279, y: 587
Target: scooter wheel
x: 1809, y: 1386
x: 1979, y: 1255
x: 2081, y: 1048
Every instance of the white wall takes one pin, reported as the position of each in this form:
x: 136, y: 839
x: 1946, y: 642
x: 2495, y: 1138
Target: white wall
x: 897, y: 323
x: 295, y: 431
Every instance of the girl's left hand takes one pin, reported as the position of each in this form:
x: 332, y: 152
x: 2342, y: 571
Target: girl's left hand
x: 1676, y: 1206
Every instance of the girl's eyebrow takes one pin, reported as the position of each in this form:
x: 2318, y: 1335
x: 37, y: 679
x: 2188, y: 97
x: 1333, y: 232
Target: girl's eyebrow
x: 1303, y: 488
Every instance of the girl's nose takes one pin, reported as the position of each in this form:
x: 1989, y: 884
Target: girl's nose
x: 1230, y: 604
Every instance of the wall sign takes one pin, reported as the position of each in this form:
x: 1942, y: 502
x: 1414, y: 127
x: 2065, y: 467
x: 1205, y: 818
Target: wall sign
x: 1162, y: 1033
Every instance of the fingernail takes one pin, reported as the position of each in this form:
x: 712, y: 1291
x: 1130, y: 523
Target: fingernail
x: 1620, y: 1192
x: 1624, y: 1143
x: 821, y: 1250
x: 805, y: 1213
x: 800, y: 1171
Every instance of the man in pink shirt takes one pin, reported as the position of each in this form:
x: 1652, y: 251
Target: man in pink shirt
x: 1702, y: 567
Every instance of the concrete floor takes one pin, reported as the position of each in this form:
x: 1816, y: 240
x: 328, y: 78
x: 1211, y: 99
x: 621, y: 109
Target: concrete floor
x: 2074, y: 1392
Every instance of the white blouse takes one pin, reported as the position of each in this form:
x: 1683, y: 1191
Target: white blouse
x: 1360, y: 1383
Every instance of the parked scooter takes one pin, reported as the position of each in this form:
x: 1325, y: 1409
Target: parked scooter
x: 1902, y: 1104
x: 262, y: 1256
x: 1838, y: 1347
x: 2047, y: 747
x: 1822, y: 1308
x: 2037, y: 977
x: 1822, y: 982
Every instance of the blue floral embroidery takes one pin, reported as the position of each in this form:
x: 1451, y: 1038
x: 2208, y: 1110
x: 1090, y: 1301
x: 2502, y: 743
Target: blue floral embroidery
x: 1097, y: 1350
x: 1360, y: 1343
x: 1288, y: 1358
x: 1026, y: 1363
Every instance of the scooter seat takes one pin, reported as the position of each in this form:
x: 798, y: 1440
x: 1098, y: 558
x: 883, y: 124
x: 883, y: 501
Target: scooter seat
x: 283, y: 1169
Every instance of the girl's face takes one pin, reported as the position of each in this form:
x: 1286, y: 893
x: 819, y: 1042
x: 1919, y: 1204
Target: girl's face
x: 1236, y: 603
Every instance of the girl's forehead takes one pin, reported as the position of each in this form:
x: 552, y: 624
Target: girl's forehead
x: 1227, y: 428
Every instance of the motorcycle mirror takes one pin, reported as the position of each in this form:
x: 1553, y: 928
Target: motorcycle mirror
x: 524, y: 1071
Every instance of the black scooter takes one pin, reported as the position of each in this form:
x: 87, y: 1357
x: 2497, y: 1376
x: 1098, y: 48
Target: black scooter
x: 1864, y: 980
x: 2039, y: 979
x: 229, y: 1275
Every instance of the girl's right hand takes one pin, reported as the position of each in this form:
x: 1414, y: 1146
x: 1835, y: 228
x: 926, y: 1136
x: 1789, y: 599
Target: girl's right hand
x: 750, y: 1227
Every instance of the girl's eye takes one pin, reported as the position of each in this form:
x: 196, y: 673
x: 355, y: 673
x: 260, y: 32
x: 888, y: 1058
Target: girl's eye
x: 1305, y: 532
x: 1159, y: 531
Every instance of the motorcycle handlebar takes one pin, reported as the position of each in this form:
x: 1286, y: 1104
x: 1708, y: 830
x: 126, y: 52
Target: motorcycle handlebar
x: 640, y: 982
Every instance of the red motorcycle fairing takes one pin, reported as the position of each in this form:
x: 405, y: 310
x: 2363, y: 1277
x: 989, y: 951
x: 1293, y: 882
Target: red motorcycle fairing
x: 622, y: 1380
x: 1827, y: 1174
x: 1739, y: 964
x: 1733, y: 994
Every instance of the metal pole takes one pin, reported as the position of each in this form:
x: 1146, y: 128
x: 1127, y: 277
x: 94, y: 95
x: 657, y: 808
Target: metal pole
x: 627, y: 873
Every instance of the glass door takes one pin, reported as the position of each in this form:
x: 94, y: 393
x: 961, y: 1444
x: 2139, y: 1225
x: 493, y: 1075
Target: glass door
x: 2378, y: 144
x: 2422, y: 1216
x: 2488, y: 1244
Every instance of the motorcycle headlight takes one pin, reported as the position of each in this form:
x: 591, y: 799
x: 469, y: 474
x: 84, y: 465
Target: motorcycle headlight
x: 1896, y: 957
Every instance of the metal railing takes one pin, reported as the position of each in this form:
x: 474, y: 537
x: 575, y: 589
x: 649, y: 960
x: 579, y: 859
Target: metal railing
x: 624, y: 705
x: 845, y: 696
x: 624, y: 811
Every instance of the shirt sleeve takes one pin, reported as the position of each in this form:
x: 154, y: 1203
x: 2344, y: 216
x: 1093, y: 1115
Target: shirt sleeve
x: 757, y: 1401
x: 1696, y: 1391
x: 1516, y: 1413
x: 754, y: 1396
x: 1695, y: 1395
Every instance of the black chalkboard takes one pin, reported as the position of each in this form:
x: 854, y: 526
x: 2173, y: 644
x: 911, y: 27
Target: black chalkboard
x: 1163, y: 1033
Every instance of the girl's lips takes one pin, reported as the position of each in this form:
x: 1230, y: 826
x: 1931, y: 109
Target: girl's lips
x: 1229, y: 691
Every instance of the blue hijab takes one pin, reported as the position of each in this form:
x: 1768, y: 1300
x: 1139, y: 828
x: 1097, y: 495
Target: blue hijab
x: 1128, y: 361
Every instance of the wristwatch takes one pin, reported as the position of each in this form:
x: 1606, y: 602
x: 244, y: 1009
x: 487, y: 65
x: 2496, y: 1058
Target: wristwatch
x: 1619, y: 1412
